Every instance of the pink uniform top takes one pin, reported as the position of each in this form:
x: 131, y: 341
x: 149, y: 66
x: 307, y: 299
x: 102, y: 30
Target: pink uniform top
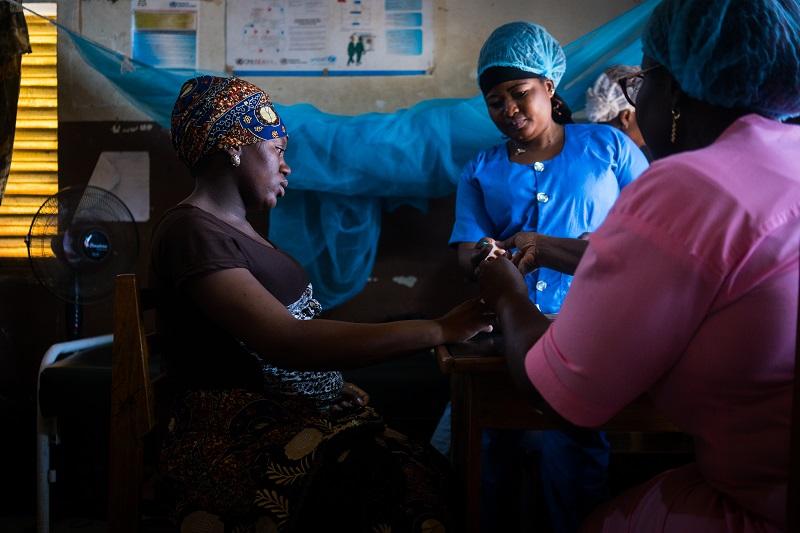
x: 688, y: 292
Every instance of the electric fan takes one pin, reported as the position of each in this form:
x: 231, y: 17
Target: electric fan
x: 79, y: 240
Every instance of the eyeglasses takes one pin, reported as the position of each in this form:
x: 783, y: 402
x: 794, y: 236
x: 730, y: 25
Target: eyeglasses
x: 632, y: 83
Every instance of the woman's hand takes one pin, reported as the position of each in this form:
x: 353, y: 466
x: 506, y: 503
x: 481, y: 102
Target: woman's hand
x: 526, y: 243
x: 499, y: 278
x: 471, y: 254
x: 535, y: 250
x: 352, y: 395
x: 486, y: 248
x: 465, y: 321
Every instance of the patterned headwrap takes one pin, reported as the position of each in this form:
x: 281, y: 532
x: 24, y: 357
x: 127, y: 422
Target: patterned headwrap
x: 213, y: 113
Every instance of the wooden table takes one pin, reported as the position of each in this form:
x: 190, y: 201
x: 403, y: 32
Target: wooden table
x: 484, y: 396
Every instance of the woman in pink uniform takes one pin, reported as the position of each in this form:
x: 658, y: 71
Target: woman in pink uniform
x: 688, y: 291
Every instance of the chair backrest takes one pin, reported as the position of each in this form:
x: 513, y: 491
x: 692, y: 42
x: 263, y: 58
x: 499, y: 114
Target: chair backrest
x: 793, y: 489
x: 132, y: 406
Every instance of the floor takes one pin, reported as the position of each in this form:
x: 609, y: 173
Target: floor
x: 11, y: 524
x: 414, y: 414
x: 73, y: 525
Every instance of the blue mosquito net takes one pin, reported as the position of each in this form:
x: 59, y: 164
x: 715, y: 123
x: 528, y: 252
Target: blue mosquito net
x: 348, y: 169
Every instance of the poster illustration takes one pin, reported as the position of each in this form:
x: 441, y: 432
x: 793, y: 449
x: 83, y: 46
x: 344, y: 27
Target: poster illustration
x: 164, y: 33
x: 329, y: 37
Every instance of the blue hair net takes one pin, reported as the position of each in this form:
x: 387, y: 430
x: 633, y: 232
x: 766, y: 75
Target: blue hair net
x: 731, y: 53
x: 525, y: 46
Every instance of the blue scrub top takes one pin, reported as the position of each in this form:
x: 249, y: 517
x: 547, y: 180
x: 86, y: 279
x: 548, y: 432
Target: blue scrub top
x: 563, y: 197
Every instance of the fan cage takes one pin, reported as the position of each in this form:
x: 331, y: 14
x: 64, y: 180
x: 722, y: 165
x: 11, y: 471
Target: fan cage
x: 66, y: 240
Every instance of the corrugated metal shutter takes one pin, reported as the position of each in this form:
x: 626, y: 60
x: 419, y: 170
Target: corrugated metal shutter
x: 34, y: 162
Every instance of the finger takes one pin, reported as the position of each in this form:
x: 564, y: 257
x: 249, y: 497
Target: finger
x: 359, y: 395
x: 484, y: 242
x: 496, y: 252
x: 487, y: 328
x: 480, y: 254
x: 508, y: 243
x: 527, y: 264
x: 476, y: 267
x: 482, y: 266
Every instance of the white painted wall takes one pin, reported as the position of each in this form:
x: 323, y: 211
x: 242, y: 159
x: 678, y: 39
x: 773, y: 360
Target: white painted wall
x: 461, y: 27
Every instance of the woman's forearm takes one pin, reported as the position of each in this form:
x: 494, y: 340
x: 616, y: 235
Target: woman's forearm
x: 560, y: 254
x: 240, y: 305
x: 522, y: 324
x: 328, y: 344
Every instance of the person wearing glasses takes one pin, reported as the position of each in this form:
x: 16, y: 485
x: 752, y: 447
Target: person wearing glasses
x: 607, y: 104
x: 688, y: 292
x: 549, y: 183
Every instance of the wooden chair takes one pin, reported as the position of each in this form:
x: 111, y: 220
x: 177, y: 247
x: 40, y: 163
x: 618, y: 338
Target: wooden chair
x: 132, y: 404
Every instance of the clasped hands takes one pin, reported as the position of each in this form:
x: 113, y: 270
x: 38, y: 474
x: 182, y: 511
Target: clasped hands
x: 526, y: 245
x: 501, y: 272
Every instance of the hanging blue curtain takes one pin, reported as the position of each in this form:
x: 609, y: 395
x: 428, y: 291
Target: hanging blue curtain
x: 347, y: 169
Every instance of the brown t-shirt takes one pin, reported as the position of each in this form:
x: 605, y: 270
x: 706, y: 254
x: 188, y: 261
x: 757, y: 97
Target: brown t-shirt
x: 190, y: 243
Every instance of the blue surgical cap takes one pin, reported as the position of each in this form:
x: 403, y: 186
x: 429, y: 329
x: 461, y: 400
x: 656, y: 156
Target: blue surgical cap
x: 741, y: 54
x: 525, y: 46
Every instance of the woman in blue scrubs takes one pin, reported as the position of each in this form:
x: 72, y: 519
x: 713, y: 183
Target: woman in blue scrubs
x: 550, y: 183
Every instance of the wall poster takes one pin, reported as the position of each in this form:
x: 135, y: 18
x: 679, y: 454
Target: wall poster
x: 329, y: 37
x: 164, y: 33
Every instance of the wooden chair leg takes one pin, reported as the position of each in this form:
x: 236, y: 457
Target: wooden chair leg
x: 125, y: 479
x: 466, y: 449
x: 132, y: 408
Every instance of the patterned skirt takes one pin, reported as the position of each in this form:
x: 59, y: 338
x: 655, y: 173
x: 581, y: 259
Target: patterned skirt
x: 240, y: 461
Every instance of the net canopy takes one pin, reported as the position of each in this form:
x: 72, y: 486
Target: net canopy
x: 347, y: 169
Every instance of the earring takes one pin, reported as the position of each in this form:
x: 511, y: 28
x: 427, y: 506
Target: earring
x: 236, y: 160
x: 674, y: 135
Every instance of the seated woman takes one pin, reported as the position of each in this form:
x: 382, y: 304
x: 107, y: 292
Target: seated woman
x: 688, y: 292
x: 265, y: 435
x: 606, y: 103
